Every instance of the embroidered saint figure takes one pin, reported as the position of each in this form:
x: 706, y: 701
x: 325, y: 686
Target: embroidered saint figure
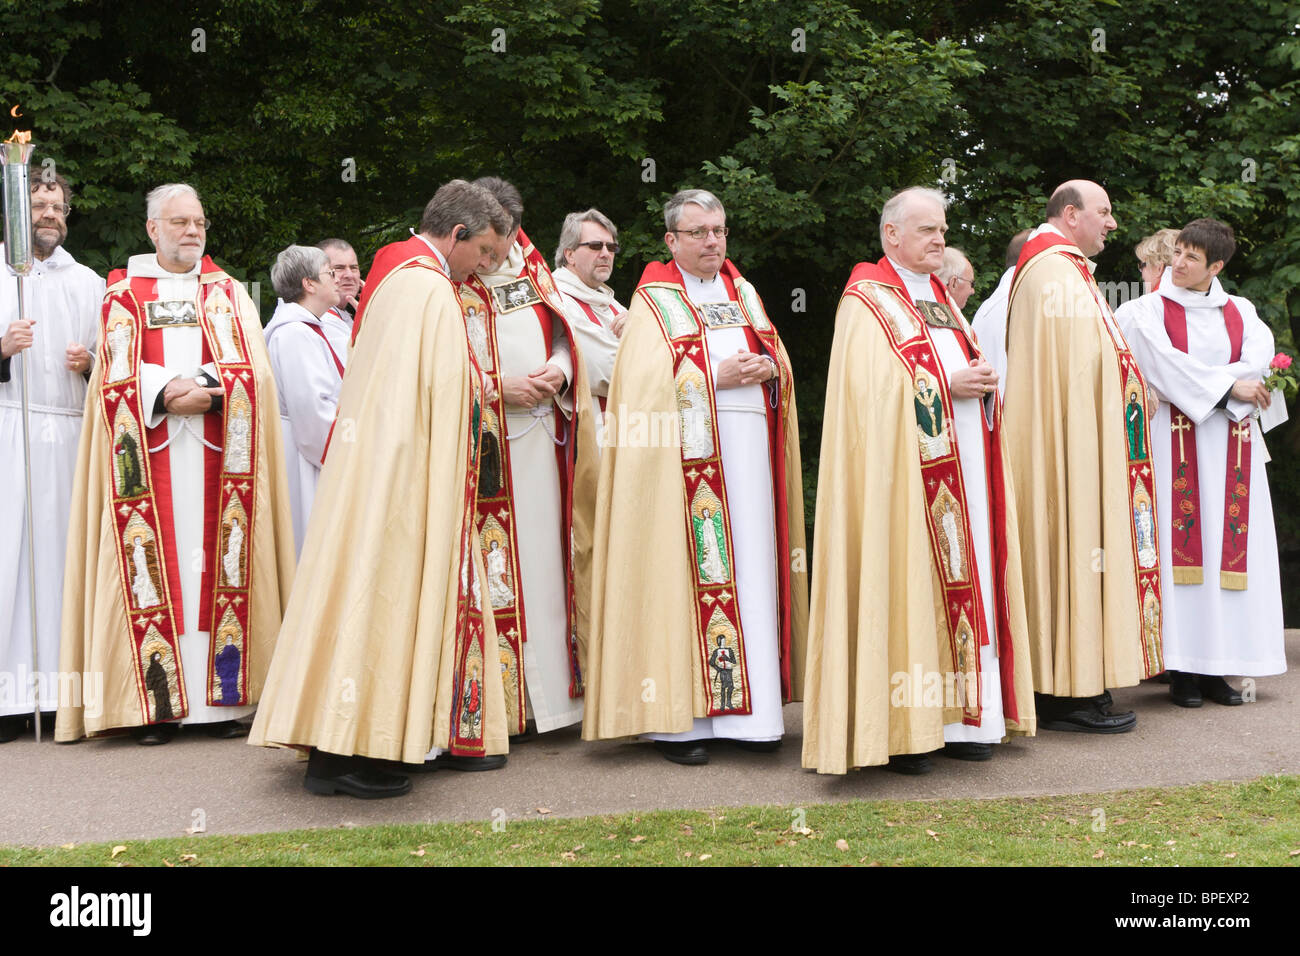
x: 697, y: 423
x: 476, y: 327
x: 499, y: 590
x: 223, y: 324
x: 155, y: 682
x: 142, y: 585
x: 723, y: 660
x: 231, y: 561
x: 489, y: 462
x: 119, y: 347
x: 1135, y: 426
x: 955, y: 570
x: 239, y: 430
x: 931, y: 428
x: 471, y: 703
x: 1146, y: 534
x: 227, y: 661
x: 126, y: 460
x: 710, y: 552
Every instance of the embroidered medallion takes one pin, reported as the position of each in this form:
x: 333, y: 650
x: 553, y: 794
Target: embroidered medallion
x: 938, y: 315
x: 163, y: 315
x: 517, y: 294
x: 721, y: 315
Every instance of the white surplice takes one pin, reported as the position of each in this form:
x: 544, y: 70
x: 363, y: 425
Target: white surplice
x: 596, y: 340
x: 990, y: 326
x: 64, y: 299
x: 535, y: 478
x: 746, y: 461
x: 1207, y: 629
x: 182, y: 355
x: 308, y: 383
x: 971, y: 418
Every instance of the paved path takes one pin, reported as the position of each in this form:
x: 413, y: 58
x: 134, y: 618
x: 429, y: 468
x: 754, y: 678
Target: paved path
x: 116, y: 790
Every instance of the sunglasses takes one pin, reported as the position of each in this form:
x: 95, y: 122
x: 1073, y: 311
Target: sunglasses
x: 596, y: 245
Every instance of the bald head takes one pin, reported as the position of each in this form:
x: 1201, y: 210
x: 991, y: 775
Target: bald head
x: 1080, y: 209
x: 912, y: 226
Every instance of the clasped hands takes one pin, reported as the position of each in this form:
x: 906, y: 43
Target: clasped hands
x: 976, y: 380
x: 528, y: 391
x: 185, y: 396
x: 744, y: 368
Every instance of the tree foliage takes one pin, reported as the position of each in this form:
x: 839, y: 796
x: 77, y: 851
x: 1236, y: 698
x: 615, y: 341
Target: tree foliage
x: 803, y: 115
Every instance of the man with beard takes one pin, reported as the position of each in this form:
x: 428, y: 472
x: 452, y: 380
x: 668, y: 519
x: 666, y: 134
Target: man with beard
x: 63, y: 299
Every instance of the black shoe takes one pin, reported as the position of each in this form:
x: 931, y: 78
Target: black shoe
x: 1103, y: 702
x: 1081, y: 715
x: 11, y: 728
x: 328, y: 774
x: 911, y: 764
x: 155, y: 735
x: 966, y: 750
x: 226, y: 730
x: 692, y: 753
x: 757, y: 746
x: 1161, y: 678
x: 1184, y: 689
x: 529, y: 733
x: 1220, y: 691
x: 448, y: 761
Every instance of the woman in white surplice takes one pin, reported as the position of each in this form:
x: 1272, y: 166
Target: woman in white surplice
x: 306, y: 368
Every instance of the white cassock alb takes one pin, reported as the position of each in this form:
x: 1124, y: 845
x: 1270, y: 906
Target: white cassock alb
x: 183, y: 353
x: 64, y: 298
x: 535, y: 477
x: 308, y: 382
x: 338, y: 329
x: 990, y: 325
x: 596, y: 339
x: 1207, y: 629
x: 971, y: 418
x: 742, y: 431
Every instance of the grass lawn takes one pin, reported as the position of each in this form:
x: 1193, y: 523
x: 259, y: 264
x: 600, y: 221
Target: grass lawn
x: 1218, y: 824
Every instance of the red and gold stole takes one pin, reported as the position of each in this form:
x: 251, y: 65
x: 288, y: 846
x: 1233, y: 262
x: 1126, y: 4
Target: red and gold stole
x: 947, y: 516
x: 708, y: 519
x: 1141, y: 474
x: 134, y: 320
x: 534, y: 290
x: 1187, y: 525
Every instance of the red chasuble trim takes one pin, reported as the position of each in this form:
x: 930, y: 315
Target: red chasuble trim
x: 1144, y: 536
x: 1188, y: 555
x: 535, y: 290
x: 947, y: 513
x: 141, y: 501
x: 719, y: 634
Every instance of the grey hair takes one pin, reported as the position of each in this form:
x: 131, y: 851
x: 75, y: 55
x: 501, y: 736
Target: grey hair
x: 571, y: 231
x: 896, y: 205
x: 953, y: 261
x: 340, y: 244
x: 293, y: 265
x: 696, y: 197
x: 157, y: 197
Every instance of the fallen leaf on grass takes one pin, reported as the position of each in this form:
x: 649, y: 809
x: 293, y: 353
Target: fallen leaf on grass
x: 189, y: 857
x: 516, y: 846
x: 73, y: 846
x: 1099, y: 854
x: 1156, y: 803
x: 116, y: 850
x: 888, y: 824
x: 568, y: 855
x: 841, y: 844
x: 543, y: 809
x: 1230, y: 856
x: 932, y: 834
x: 802, y: 831
x: 638, y: 839
x: 1129, y: 843
x: 168, y: 863
x: 1170, y: 842
x: 611, y: 836
x: 705, y: 856
x: 417, y: 853
x: 1294, y: 853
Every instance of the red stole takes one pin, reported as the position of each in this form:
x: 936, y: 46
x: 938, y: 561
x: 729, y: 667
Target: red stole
x: 1187, y: 556
x: 140, y: 495
x: 945, y: 483
x: 498, y: 497
x: 683, y: 325
x: 591, y: 314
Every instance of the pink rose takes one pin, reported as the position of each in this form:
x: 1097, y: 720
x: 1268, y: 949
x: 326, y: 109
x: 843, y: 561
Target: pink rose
x: 1281, y: 361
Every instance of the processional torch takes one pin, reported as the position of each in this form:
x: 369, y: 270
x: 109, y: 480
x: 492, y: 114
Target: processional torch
x: 16, y: 155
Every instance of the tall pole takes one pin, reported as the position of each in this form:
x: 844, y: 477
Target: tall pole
x: 16, y: 155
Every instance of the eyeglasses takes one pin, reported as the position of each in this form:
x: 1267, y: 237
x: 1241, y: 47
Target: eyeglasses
x: 326, y: 272
x: 701, y: 234
x: 183, y: 222
x: 61, y: 208
x: 964, y: 279
x: 596, y: 245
